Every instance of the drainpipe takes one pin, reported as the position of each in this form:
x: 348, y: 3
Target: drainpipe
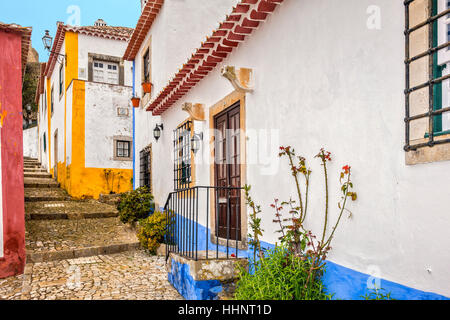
x: 134, y: 127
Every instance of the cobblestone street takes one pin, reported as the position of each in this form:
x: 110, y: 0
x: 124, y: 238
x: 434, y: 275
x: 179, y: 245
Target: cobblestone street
x: 79, y: 250
x: 131, y: 275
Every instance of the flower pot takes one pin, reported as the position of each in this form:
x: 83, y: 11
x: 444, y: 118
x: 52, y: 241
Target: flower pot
x: 147, y: 87
x: 135, y: 101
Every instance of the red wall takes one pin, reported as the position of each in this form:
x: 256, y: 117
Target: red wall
x: 13, y: 261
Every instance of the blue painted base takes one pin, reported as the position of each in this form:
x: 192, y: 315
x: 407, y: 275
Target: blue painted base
x: 344, y: 283
x: 190, y: 289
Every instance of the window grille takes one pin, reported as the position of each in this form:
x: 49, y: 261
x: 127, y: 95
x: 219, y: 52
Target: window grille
x: 435, y: 77
x: 145, y: 166
x: 147, y: 66
x: 61, y: 80
x: 182, y: 156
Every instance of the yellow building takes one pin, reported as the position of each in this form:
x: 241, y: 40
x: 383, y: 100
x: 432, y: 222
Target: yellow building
x: 85, y: 114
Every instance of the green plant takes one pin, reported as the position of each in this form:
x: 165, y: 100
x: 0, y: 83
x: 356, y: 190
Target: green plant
x: 281, y: 275
x: 135, y: 205
x: 376, y: 294
x: 300, y: 243
x: 152, y: 231
x: 255, y: 224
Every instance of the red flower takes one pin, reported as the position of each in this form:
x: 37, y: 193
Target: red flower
x: 346, y: 169
x: 233, y: 255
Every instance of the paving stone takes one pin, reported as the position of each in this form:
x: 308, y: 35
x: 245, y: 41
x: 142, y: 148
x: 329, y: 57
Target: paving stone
x: 132, y: 275
x: 45, y: 194
x: 73, y: 210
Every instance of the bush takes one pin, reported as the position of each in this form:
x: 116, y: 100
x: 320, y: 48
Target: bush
x: 152, y: 231
x: 135, y: 205
x: 281, y: 275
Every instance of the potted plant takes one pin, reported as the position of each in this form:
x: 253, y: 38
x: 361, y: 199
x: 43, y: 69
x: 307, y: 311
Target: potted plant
x: 136, y: 101
x: 147, y: 87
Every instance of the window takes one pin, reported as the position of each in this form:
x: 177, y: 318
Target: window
x: 52, y: 101
x: 146, y: 62
x: 427, y: 123
x: 44, y: 142
x: 61, y: 80
x: 183, y: 156
x: 123, y: 148
x: 106, y: 72
x: 146, y: 168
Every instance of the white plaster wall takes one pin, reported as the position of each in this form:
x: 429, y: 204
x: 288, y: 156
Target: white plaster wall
x: 57, y: 119
x: 177, y: 32
x: 102, y: 124
x: 97, y: 45
x: 323, y: 79
x: 30, y: 142
x: 43, y: 129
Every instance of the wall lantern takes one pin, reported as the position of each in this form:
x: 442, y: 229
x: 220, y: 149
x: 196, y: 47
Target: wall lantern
x: 196, y: 142
x: 47, y: 40
x: 157, y: 131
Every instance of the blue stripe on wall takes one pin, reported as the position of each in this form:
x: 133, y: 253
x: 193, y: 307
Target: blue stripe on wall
x: 344, y: 283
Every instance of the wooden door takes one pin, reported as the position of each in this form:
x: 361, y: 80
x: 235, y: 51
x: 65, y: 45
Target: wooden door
x: 228, y: 172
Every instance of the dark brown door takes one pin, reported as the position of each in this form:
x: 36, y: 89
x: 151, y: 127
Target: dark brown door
x: 228, y: 172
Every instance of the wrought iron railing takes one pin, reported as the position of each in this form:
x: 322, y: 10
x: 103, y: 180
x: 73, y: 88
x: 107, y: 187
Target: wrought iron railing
x: 204, y: 223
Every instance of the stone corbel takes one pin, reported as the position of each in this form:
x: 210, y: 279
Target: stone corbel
x: 239, y: 78
x: 196, y: 111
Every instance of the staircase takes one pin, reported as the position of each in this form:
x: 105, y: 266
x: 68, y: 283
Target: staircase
x: 59, y: 228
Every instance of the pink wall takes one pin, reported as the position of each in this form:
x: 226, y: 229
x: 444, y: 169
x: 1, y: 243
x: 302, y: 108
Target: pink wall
x: 13, y: 261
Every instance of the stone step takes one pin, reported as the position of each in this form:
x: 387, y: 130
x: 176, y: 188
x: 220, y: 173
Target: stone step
x: 31, y: 166
x: 28, y: 170
x: 45, y: 194
x: 31, y: 162
x: 39, y: 175
x: 40, y: 183
x: 68, y: 210
x: 69, y: 239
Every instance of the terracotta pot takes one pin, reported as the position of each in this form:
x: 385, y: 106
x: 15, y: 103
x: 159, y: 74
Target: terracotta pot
x: 135, y: 101
x: 147, y: 87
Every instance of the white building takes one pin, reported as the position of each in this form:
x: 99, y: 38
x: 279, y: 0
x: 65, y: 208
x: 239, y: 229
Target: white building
x: 306, y: 74
x: 85, y: 127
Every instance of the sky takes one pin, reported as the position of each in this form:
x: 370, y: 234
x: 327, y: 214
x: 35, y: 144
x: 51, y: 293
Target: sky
x: 43, y: 14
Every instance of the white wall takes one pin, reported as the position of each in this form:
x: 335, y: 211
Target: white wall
x: 179, y: 29
x: 323, y: 79
x: 97, y: 45
x: 102, y: 124
x: 43, y: 129
x: 30, y: 142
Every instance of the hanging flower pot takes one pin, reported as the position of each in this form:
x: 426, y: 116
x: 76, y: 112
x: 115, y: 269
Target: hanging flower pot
x: 147, y: 87
x: 135, y: 101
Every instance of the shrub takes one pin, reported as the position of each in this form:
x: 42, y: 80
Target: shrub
x: 135, y: 205
x: 281, y: 275
x: 152, y: 231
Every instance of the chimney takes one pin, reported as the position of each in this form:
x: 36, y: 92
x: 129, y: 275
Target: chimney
x: 100, y: 23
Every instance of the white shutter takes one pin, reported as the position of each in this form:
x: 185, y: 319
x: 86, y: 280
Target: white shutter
x: 99, y: 72
x: 106, y: 72
x: 112, y: 73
